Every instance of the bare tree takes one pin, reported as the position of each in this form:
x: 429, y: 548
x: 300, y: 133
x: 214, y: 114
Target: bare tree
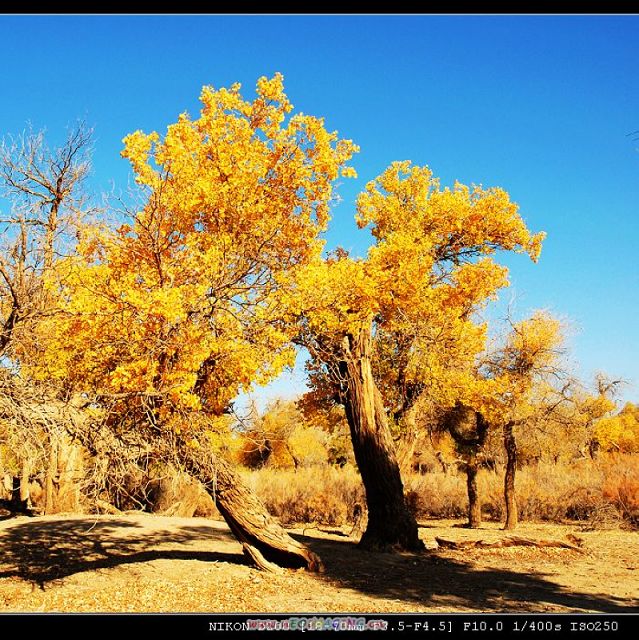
x: 43, y: 192
x: 44, y: 204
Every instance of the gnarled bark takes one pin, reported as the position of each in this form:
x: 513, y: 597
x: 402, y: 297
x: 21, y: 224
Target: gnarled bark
x: 469, y: 430
x: 474, y: 502
x: 263, y: 540
x: 390, y: 523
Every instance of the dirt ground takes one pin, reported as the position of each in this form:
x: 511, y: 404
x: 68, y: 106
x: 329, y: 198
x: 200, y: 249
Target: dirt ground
x: 150, y: 563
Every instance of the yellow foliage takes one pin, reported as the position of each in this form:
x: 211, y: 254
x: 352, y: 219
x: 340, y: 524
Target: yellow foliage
x: 409, y: 201
x: 186, y: 302
x: 281, y: 438
x: 428, y: 272
x: 619, y: 432
x: 515, y: 377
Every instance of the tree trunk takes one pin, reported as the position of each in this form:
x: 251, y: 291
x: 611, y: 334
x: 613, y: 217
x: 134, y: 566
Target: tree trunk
x: 25, y: 494
x: 474, y: 503
x: 406, y: 446
x: 442, y: 461
x: 15, y: 493
x: 51, y: 227
x: 51, y: 472
x: 263, y: 540
x: 70, y: 472
x: 469, y: 430
x: 390, y: 523
x: 14, y: 504
x: 575, y: 544
x: 510, y: 444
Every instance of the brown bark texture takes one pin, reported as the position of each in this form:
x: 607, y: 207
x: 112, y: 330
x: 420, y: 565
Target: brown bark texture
x: 263, y: 539
x: 391, y: 525
x: 510, y: 445
x: 474, y: 503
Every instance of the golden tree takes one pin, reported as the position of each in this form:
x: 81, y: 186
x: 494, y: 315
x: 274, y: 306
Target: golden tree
x: 174, y: 313
x: 280, y: 437
x: 590, y: 407
x: 619, y: 432
x: 416, y: 293
x: 524, y: 382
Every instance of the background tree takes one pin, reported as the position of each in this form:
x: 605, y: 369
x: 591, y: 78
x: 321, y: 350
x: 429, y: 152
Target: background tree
x: 428, y: 272
x: 45, y: 204
x: 324, y: 413
x: 620, y: 432
x: 590, y: 407
x: 280, y: 438
x: 469, y: 430
x: 529, y: 382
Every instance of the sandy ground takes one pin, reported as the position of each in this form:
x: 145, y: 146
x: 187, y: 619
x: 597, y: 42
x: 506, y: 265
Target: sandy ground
x: 150, y: 563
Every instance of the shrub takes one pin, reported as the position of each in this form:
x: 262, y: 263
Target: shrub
x: 621, y: 486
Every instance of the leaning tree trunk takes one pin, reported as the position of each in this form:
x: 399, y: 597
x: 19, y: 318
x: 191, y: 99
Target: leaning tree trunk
x: 263, y: 540
x: 510, y: 444
x: 474, y: 502
x: 390, y: 523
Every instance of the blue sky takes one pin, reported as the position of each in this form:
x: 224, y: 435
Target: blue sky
x: 539, y: 105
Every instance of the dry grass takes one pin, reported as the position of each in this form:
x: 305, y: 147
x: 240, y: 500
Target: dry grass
x: 621, y: 488
x: 320, y: 494
x: 604, y: 493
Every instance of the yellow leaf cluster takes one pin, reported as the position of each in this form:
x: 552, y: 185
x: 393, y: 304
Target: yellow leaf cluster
x: 186, y: 300
x: 428, y: 273
x: 619, y: 432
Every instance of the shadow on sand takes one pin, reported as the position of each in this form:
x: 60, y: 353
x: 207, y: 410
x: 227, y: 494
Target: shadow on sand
x: 442, y: 582
x: 42, y: 551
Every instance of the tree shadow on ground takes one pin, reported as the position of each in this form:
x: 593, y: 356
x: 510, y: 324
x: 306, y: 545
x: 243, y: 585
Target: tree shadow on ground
x: 445, y: 583
x: 44, y: 551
